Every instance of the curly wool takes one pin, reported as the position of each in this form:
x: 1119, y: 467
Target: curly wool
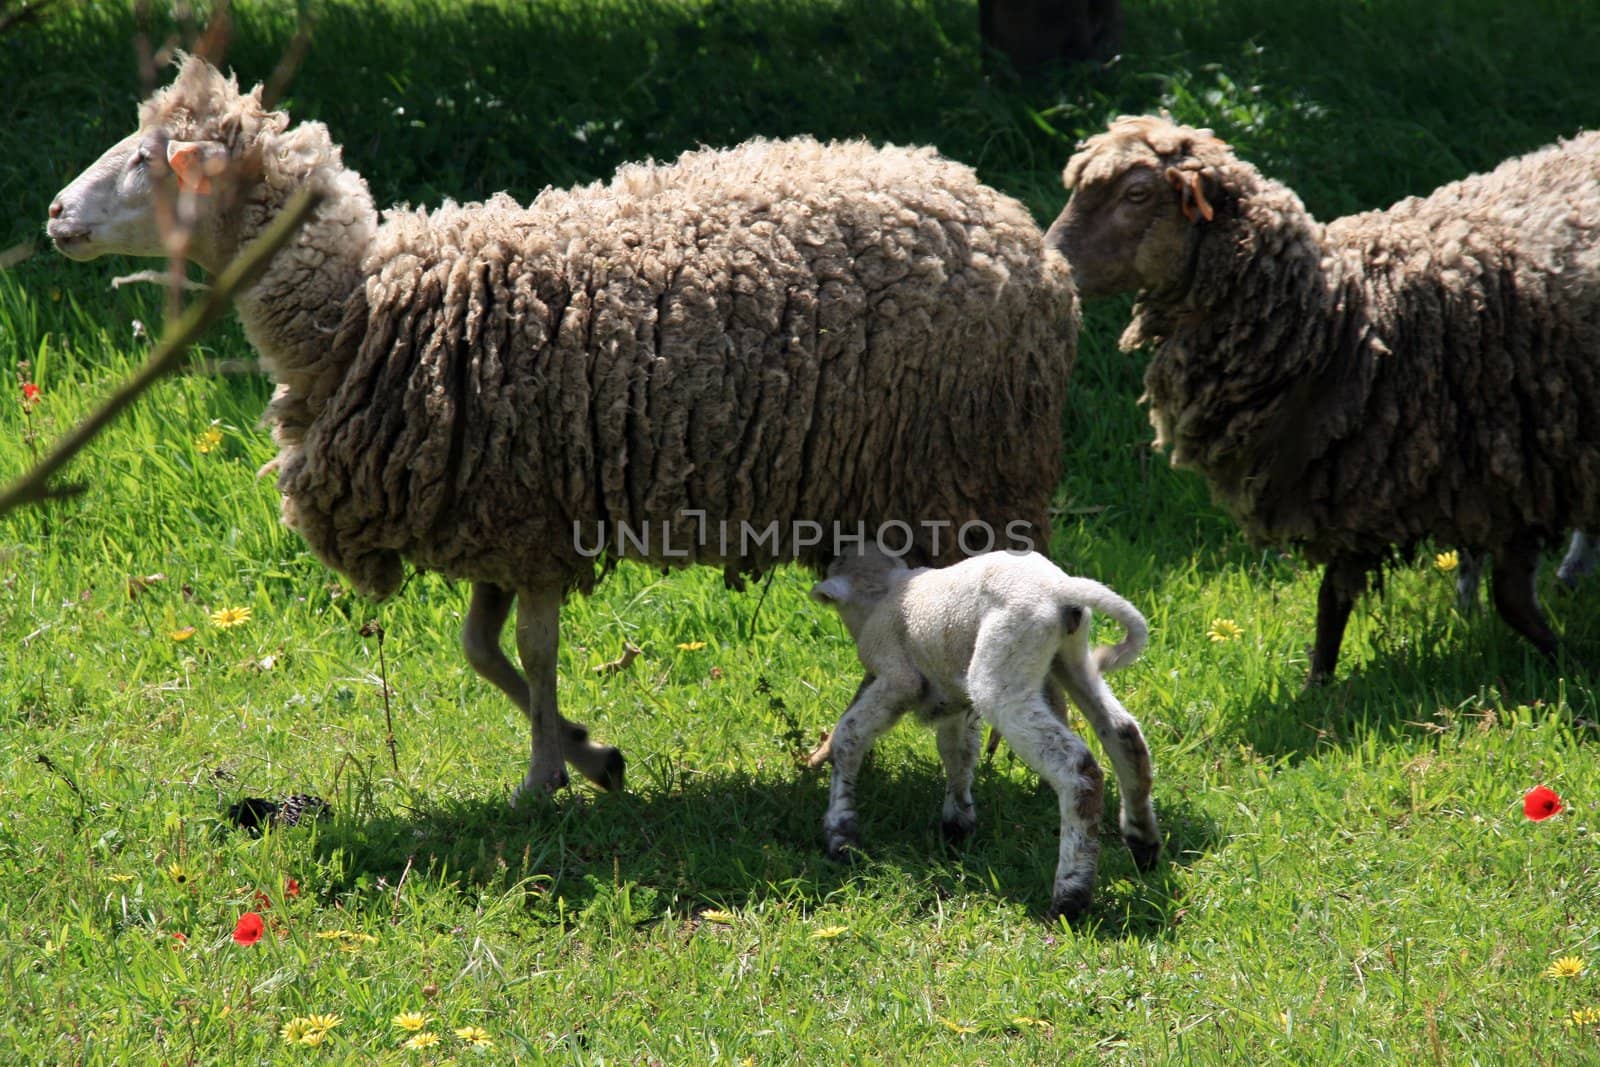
x: 779, y: 332
x: 1426, y: 371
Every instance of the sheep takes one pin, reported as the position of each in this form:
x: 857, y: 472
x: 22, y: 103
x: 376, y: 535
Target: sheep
x: 996, y: 637
x: 1423, y: 372
x: 715, y: 360
x: 1579, y: 560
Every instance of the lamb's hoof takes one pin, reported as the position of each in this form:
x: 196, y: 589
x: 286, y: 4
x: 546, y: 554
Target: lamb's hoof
x: 1072, y: 904
x: 843, y: 840
x: 1145, y: 853
x: 612, y: 774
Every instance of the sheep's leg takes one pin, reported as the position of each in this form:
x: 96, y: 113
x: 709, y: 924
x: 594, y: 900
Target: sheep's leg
x: 1342, y: 582
x: 480, y: 640
x: 958, y: 738
x: 1125, y: 746
x: 876, y: 707
x: 1516, y: 599
x: 1469, y: 572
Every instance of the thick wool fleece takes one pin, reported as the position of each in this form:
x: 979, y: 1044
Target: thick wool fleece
x: 1427, y: 371
x: 782, y: 331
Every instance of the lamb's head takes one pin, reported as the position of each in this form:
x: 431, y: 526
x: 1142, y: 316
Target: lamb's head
x: 856, y: 582
x: 1141, y: 194
x: 173, y: 184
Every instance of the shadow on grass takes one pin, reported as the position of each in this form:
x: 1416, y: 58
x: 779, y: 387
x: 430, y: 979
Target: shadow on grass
x: 1423, y: 675
x: 733, y: 841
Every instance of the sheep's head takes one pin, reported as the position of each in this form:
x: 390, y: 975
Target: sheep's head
x: 856, y: 582
x: 165, y: 188
x: 1141, y: 192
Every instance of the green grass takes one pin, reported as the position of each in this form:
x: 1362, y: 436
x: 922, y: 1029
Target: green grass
x: 1348, y: 875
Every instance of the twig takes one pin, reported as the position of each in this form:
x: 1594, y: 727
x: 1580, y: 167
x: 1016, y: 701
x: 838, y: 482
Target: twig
x: 33, y: 487
x: 159, y: 277
x: 375, y: 629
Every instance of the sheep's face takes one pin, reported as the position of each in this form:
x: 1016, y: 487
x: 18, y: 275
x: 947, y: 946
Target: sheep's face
x: 141, y: 198
x: 1130, y: 231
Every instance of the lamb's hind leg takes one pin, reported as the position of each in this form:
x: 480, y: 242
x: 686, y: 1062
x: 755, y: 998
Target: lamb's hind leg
x: 1042, y: 740
x: 480, y: 640
x: 1125, y: 746
x: 1516, y: 599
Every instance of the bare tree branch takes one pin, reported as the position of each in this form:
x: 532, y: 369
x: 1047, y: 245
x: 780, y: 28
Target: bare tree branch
x: 33, y: 487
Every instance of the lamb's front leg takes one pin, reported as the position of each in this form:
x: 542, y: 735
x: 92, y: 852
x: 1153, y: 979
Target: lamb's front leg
x: 877, y: 704
x: 958, y: 750
x: 480, y: 640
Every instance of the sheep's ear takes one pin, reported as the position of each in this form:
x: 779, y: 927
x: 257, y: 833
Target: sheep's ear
x: 196, y: 163
x: 1191, y: 186
x: 834, y: 590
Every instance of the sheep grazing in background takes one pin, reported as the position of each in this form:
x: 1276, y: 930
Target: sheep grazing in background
x: 1579, y: 561
x: 1430, y: 371
x: 716, y: 360
x: 996, y: 637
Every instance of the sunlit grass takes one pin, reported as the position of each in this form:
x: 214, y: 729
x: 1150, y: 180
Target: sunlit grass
x: 1351, y: 875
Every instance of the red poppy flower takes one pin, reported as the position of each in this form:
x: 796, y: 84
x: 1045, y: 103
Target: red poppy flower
x: 291, y: 888
x: 179, y: 939
x: 262, y: 900
x: 1540, y: 802
x: 249, y: 928
x: 30, y: 392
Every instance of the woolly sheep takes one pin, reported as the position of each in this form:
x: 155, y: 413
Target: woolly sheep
x: 716, y: 360
x: 1424, y: 372
x: 996, y: 637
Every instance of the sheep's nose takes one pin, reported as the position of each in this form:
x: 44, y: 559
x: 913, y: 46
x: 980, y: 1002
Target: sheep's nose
x: 55, y: 209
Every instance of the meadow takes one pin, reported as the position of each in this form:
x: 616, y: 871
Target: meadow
x: 1349, y: 874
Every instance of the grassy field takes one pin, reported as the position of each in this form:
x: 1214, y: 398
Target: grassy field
x: 1348, y: 877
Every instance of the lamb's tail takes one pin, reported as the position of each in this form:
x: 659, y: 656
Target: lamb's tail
x: 1086, y: 592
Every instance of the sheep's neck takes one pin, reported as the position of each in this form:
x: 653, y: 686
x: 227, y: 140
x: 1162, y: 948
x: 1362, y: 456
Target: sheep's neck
x: 292, y: 315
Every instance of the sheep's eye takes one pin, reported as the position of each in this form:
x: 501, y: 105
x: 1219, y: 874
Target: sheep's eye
x: 1136, y: 194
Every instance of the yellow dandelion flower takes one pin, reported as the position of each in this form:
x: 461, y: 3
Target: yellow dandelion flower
x: 717, y: 915
x: 208, y: 441
x: 410, y: 1020
x: 1584, y: 1017
x: 178, y: 873
x: 426, y: 1039
x: 295, y: 1030
x: 325, y: 1022
x: 183, y: 633
x: 314, y: 1038
x: 1028, y: 1020
x: 828, y: 933
x: 1225, y: 630
x: 120, y: 879
x: 228, y: 618
x: 1447, y: 561
x: 1565, y: 967
x: 956, y: 1028
x: 475, y: 1036
x: 691, y: 646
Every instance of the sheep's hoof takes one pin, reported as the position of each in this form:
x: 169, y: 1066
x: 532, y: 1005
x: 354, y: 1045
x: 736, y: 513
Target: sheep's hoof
x: 955, y: 831
x: 540, y: 786
x: 1145, y: 853
x: 1071, y: 904
x: 613, y: 772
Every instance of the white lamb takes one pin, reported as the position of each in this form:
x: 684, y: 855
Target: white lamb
x: 996, y: 637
